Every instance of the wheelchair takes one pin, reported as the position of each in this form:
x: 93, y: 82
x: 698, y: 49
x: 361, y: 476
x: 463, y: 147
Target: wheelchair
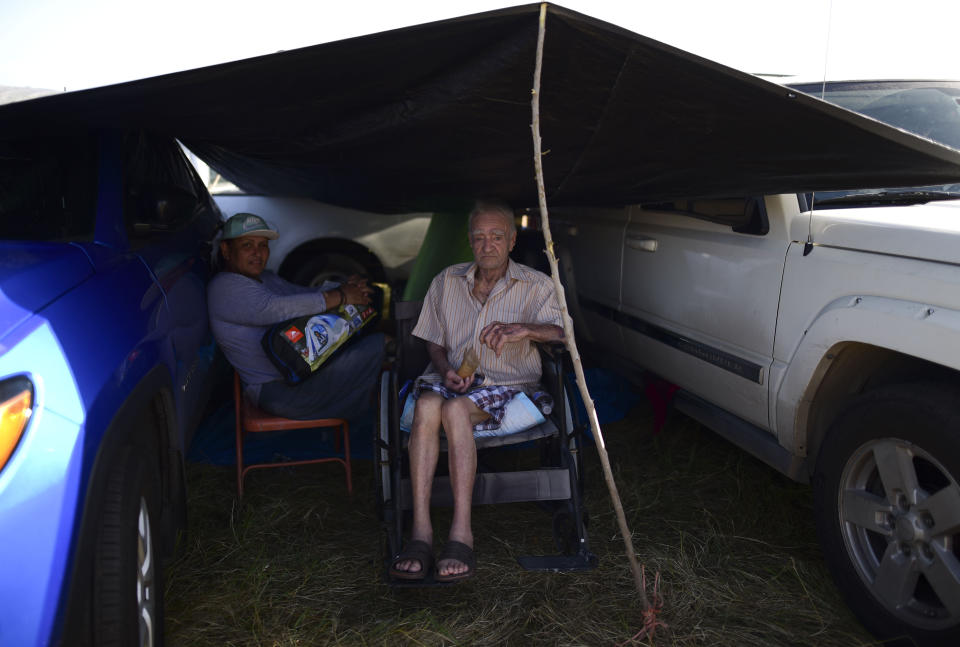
x: 555, y: 483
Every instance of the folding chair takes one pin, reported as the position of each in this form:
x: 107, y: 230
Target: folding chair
x: 557, y: 484
x: 250, y: 419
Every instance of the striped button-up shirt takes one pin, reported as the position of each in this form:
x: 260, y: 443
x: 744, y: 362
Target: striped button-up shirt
x: 453, y: 318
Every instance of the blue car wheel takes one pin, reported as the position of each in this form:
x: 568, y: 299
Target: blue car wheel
x: 128, y: 589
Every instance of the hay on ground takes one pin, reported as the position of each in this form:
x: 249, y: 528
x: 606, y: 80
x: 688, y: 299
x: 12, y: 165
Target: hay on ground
x: 300, y: 563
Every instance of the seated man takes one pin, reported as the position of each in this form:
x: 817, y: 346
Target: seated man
x: 244, y: 299
x: 496, y: 308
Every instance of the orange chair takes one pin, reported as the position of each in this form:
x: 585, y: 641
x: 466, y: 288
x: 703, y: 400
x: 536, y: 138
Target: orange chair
x: 250, y: 419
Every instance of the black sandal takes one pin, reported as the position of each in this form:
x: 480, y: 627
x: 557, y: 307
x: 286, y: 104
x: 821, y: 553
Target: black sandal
x: 416, y: 550
x: 462, y: 553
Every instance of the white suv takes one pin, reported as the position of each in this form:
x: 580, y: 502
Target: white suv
x: 821, y: 333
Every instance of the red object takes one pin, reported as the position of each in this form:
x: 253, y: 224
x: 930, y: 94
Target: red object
x: 250, y: 419
x: 659, y: 393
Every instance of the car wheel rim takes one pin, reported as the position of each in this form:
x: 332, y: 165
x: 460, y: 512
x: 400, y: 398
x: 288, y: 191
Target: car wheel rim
x: 322, y: 277
x: 146, y: 593
x: 899, y: 512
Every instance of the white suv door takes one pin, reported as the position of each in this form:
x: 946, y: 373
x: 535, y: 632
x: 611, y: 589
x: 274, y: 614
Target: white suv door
x: 700, y: 291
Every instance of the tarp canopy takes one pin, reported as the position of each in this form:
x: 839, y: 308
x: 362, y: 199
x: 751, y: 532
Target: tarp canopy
x: 423, y: 117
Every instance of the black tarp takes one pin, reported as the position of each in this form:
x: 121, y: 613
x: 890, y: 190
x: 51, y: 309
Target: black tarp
x: 423, y: 117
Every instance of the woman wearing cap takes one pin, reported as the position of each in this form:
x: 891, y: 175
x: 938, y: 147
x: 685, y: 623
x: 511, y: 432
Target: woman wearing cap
x: 244, y: 299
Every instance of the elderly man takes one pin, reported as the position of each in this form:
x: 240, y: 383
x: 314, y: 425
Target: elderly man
x: 496, y: 308
x: 244, y: 299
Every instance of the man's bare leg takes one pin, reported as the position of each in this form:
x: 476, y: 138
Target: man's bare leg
x: 459, y: 415
x: 424, y: 448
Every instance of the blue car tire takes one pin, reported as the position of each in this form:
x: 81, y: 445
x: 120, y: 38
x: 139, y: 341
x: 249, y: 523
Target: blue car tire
x: 128, y: 591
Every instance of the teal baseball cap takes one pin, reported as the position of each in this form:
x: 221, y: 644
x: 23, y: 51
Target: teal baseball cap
x: 247, y: 224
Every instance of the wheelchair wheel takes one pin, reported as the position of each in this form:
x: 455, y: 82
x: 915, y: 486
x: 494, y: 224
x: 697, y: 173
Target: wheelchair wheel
x: 381, y: 448
x: 565, y: 535
x: 384, y: 458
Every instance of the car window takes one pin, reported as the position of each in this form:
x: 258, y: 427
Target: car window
x: 927, y: 108
x: 216, y: 184
x: 743, y: 215
x: 48, y: 189
x: 161, y: 191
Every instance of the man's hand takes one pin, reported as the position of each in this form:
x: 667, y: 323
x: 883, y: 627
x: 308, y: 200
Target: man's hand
x: 356, y: 291
x: 438, y: 358
x: 356, y: 279
x: 498, y: 334
x: 456, y: 383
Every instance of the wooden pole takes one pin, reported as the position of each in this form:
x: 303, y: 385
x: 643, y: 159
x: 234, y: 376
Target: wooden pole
x: 568, y: 322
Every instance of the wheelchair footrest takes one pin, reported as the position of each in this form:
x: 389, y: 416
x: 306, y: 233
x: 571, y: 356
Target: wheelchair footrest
x: 551, y: 484
x: 427, y: 582
x: 582, y: 561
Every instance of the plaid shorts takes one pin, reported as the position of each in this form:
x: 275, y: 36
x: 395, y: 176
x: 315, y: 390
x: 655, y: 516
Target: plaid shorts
x: 491, y: 399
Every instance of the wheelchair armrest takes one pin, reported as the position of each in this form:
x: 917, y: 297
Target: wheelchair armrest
x: 555, y: 350
x: 552, y: 359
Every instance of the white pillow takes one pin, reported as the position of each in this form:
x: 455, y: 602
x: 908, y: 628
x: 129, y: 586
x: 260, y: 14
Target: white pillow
x: 520, y: 414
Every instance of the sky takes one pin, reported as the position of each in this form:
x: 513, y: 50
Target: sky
x: 71, y: 44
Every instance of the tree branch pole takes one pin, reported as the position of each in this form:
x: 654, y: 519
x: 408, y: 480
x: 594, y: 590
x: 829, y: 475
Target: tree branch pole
x: 568, y: 322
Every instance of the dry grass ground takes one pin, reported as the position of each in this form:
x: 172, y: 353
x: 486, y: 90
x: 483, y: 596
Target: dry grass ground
x: 299, y: 563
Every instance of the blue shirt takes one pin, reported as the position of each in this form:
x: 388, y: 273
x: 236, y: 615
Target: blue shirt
x: 241, y: 309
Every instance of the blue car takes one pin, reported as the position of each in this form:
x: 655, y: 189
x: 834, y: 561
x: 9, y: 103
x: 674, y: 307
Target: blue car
x: 105, y: 354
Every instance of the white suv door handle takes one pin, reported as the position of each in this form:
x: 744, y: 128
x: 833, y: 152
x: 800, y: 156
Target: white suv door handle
x: 642, y: 243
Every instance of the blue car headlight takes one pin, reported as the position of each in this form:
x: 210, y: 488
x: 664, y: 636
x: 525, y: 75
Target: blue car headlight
x: 16, y: 405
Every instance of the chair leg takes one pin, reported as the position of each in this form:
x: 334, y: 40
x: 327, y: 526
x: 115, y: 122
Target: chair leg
x: 240, y: 465
x: 341, y: 434
x: 345, y: 430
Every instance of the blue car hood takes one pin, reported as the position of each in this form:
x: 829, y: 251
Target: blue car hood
x: 34, y: 274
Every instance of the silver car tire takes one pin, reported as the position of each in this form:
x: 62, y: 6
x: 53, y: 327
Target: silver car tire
x: 328, y: 267
x: 887, y: 493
